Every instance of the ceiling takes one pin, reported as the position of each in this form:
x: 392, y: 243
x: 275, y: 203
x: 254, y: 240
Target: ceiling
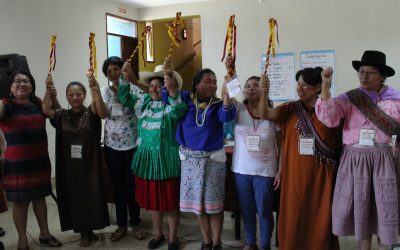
x: 154, y: 3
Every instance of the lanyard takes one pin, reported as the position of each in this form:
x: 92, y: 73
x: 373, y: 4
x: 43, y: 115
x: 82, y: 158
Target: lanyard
x: 201, y: 123
x: 255, y: 125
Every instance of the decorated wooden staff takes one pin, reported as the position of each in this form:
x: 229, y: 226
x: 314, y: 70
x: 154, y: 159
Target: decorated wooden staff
x: 52, y: 61
x: 271, y: 42
x: 146, y: 31
x: 173, y: 33
x: 92, y: 58
x: 230, y: 40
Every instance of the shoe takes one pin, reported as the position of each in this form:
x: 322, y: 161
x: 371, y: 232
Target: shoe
x: 2, y: 232
x: 50, y: 242
x: 173, y: 246
x: 153, y: 243
x: 1, y: 246
x: 217, y: 247
x: 118, y: 234
x: 206, y: 246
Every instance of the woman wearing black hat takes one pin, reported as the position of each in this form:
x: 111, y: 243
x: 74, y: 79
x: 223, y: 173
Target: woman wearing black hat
x: 365, y: 197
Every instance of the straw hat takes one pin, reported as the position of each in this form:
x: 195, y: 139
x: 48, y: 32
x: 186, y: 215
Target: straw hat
x: 158, y: 72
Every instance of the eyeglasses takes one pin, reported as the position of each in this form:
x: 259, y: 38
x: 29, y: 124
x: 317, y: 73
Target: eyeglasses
x: 22, y: 81
x: 367, y: 72
x: 304, y: 85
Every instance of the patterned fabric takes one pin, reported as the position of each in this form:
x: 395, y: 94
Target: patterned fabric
x: 156, y: 157
x: 27, y: 166
x: 334, y: 112
x: 202, y: 183
x: 365, y: 199
x: 372, y: 112
x: 119, y: 129
x: 305, y: 127
x: 396, y: 161
x: 209, y: 136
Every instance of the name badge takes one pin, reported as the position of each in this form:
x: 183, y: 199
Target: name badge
x: 393, y: 142
x: 233, y: 87
x: 307, y: 146
x: 253, y: 143
x: 76, y: 151
x: 116, y: 109
x: 367, y: 137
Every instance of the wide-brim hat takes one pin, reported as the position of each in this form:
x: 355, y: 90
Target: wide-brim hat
x: 376, y: 59
x: 145, y: 76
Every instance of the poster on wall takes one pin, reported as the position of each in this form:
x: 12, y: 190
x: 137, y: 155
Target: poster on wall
x: 320, y: 58
x: 281, y: 76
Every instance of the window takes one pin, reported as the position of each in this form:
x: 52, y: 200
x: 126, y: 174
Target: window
x: 118, y: 28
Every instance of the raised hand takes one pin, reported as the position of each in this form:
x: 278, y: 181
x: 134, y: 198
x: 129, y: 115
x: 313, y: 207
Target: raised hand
x: 49, y: 81
x: 265, y: 83
x: 228, y: 62
x: 52, y: 91
x: 168, y: 67
x: 127, y: 72
x: 326, y: 76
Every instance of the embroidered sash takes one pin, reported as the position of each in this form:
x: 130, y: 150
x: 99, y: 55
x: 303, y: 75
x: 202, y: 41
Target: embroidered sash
x: 305, y: 127
x: 373, y: 113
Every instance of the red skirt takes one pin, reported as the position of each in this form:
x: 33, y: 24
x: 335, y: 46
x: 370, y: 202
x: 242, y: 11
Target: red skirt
x: 157, y: 195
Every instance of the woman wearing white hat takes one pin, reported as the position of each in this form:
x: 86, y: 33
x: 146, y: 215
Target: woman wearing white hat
x: 156, y: 163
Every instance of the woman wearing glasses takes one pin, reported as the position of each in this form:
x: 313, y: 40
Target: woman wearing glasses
x: 366, y: 192
x: 27, y: 166
x: 309, y: 152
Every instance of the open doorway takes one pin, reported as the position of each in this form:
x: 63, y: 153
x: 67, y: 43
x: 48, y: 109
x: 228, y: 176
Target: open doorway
x: 187, y: 58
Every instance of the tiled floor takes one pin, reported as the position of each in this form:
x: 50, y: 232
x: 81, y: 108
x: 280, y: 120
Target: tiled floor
x: 188, y: 232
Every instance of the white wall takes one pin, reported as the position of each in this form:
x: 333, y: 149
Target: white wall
x: 26, y: 27
x: 347, y: 26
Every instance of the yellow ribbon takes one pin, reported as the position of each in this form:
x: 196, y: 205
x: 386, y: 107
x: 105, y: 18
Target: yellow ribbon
x: 173, y: 33
x: 52, y: 64
x: 92, y: 58
x: 271, y: 42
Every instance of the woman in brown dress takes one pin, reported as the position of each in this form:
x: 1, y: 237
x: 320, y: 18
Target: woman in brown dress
x: 309, y: 155
x: 81, y: 202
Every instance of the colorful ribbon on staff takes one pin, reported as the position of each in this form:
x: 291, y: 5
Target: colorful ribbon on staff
x: 173, y: 33
x: 271, y: 42
x: 92, y: 58
x: 230, y: 40
x: 146, y: 31
x: 53, y: 59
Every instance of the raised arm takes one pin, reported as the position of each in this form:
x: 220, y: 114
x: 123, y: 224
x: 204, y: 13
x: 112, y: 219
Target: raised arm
x: 129, y: 76
x: 326, y: 76
x: 266, y: 112
x: 48, y: 108
x: 98, y: 107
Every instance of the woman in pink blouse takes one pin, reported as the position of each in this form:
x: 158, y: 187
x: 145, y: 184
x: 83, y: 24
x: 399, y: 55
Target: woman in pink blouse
x: 366, y: 193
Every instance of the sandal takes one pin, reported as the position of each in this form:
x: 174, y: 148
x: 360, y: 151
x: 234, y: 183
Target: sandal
x: 140, y: 234
x: 118, y: 234
x: 206, y: 246
x: 51, y: 241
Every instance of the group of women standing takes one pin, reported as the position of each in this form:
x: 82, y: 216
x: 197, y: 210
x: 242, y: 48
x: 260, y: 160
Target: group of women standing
x: 165, y: 151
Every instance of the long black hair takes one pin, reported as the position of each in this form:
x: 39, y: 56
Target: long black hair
x: 32, y: 97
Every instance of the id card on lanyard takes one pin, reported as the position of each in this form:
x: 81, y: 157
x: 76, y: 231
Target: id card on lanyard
x: 306, y: 145
x: 367, y: 137
x: 116, y: 109
x: 76, y: 151
x: 253, y: 143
